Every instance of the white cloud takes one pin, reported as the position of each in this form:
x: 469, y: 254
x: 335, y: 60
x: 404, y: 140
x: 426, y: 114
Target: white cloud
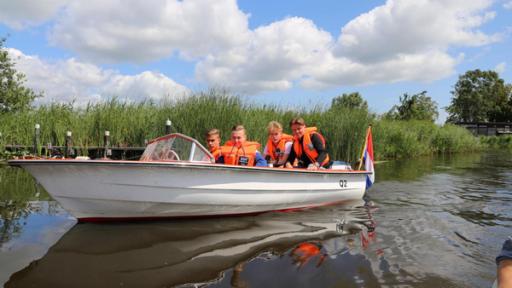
x: 500, y: 68
x: 146, y: 85
x: 272, y: 59
x: 411, y: 27
x: 137, y: 31
x: 398, y: 41
x: 19, y: 14
x: 72, y: 80
x: 401, y: 40
x: 427, y: 66
x: 508, y: 5
x: 404, y: 41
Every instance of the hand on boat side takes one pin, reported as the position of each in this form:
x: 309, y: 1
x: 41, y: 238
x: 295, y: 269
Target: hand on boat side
x: 313, y: 166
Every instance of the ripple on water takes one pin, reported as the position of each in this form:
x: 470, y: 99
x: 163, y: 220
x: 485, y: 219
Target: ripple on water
x: 435, y: 222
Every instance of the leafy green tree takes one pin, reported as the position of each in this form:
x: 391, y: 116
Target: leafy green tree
x: 480, y: 96
x: 14, y: 96
x: 351, y: 101
x: 416, y: 107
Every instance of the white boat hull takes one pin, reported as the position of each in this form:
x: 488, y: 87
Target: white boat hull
x: 95, y: 190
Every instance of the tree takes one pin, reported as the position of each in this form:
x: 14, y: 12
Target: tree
x: 14, y: 96
x: 480, y: 96
x: 418, y: 107
x: 350, y: 101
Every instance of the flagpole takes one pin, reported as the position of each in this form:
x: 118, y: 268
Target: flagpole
x: 364, y: 146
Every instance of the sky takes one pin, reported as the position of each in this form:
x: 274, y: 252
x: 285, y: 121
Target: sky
x: 287, y: 53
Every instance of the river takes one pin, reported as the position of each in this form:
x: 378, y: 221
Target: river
x: 428, y: 222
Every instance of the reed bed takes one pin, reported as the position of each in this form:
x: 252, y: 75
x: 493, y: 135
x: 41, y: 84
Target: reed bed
x: 403, y: 139
x: 131, y: 124
x: 497, y: 142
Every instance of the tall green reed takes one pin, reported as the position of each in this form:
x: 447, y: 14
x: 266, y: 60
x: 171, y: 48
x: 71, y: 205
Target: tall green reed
x: 497, y: 142
x: 130, y: 124
x: 402, y: 139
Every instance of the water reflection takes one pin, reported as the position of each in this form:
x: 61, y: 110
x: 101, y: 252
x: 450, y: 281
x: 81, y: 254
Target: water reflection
x: 200, y: 251
x: 19, y: 196
x: 470, y: 186
x: 451, y: 219
x: 413, y: 169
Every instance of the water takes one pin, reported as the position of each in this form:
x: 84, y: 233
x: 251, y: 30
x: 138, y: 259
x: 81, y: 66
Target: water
x: 430, y: 222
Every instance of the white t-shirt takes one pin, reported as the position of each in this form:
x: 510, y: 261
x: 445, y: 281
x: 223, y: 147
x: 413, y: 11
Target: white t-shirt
x: 287, y: 150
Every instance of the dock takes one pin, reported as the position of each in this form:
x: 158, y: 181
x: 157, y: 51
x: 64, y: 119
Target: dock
x: 487, y: 128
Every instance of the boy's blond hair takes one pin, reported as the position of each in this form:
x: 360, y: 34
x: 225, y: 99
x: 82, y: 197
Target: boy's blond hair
x: 274, y: 125
x: 238, y: 128
x: 212, y: 132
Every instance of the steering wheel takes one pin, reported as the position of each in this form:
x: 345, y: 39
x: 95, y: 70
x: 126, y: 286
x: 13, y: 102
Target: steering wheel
x: 172, y: 155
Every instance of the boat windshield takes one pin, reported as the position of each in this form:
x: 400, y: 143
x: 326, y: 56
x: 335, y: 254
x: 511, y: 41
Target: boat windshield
x: 176, y: 147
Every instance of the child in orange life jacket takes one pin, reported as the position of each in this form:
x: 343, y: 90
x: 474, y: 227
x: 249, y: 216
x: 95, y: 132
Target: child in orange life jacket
x: 213, y: 142
x: 239, y: 151
x: 278, y: 145
x: 308, y: 147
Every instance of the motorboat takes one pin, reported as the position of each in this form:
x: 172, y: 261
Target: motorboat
x: 177, y: 177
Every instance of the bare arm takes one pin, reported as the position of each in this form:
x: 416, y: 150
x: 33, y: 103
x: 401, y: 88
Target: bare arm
x: 291, y: 159
x: 505, y: 274
x: 504, y: 261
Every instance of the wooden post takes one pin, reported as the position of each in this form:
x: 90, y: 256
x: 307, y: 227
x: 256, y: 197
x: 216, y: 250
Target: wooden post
x: 368, y: 131
x: 168, y: 127
x: 37, y: 135
x: 49, y: 148
x: 106, y: 141
x: 68, y: 150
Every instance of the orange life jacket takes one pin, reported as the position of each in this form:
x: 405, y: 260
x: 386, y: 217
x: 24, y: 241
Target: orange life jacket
x: 216, y: 152
x: 245, y: 155
x: 307, y: 146
x: 307, y: 251
x: 271, y: 148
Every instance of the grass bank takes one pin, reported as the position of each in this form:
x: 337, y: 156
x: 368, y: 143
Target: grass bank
x: 130, y: 124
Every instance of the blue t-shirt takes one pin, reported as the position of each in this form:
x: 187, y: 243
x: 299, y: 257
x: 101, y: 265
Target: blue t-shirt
x: 506, y: 251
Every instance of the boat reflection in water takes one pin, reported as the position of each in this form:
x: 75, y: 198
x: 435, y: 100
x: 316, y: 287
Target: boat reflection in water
x: 191, y: 252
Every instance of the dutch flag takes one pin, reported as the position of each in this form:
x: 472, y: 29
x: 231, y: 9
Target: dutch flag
x: 368, y: 158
